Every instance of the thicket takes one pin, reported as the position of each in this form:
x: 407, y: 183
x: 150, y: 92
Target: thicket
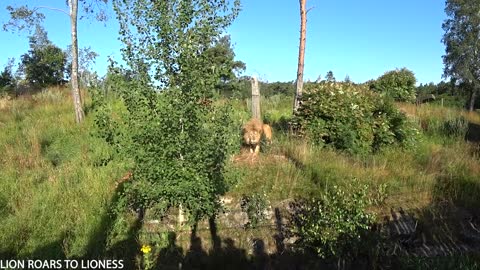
x: 178, y: 146
x: 351, y: 118
x: 398, y: 84
x: 336, y: 225
x: 7, y: 80
x: 175, y: 132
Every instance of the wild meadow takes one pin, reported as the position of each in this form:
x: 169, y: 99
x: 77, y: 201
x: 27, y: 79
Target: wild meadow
x: 151, y: 166
x: 59, y: 181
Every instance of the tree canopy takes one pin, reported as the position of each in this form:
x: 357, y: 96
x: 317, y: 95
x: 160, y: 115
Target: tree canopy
x: 45, y: 63
x: 461, y: 38
x: 7, y: 80
x: 398, y: 84
x: 25, y: 17
x: 172, y: 38
x: 177, y: 138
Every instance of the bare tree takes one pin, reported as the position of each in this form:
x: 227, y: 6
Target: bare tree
x: 23, y: 16
x: 301, y: 55
x: 256, y: 99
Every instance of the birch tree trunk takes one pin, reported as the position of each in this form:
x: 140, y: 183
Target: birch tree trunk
x: 77, y: 99
x: 255, y: 100
x: 301, y: 55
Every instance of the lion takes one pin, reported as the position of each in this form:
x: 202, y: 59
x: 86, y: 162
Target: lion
x: 252, y: 134
x: 267, y: 132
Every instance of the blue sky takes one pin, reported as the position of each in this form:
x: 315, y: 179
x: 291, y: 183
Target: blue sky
x: 360, y: 38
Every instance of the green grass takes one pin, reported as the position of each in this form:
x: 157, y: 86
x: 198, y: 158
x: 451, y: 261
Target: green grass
x: 57, y: 181
x: 52, y: 192
x: 441, y: 166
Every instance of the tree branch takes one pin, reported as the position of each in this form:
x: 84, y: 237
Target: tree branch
x: 52, y: 8
x: 310, y: 9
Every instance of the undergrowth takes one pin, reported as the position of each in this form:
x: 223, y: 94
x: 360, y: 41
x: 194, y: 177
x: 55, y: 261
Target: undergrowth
x: 57, y: 182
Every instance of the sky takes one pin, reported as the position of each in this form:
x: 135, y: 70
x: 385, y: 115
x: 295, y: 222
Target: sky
x: 361, y: 39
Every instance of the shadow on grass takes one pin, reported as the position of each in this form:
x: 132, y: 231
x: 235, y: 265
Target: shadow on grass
x: 473, y: 133
x: 224, y: 254
x: 442, y: 235
x: 125, y: 249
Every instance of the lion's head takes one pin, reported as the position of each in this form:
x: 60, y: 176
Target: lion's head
x: 252, y: 134
x: 252, y: 137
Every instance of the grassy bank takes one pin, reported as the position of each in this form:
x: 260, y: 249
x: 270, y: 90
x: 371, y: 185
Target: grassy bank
x: 57, y: 181
x: 53, y: 187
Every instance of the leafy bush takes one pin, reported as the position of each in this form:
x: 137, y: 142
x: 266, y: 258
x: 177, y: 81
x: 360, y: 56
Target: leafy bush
x: 254, y: 205
x: 398, y: 84
x: 7, y: 80
x: 335, y: 225
x: 172, y: 128
x: 178, y: 146
x: 351, y: 118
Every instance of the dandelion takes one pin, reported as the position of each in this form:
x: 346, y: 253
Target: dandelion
x: 146, y: 249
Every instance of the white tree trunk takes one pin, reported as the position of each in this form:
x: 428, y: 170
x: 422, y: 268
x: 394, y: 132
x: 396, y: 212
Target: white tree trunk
x: 77, y: 99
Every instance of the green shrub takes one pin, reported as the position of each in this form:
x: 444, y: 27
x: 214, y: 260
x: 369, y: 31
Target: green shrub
x: 335, y: 225
x: 179, y: 148
x: 254, y: 205
x: 351, y: 118
x: 398, y: 84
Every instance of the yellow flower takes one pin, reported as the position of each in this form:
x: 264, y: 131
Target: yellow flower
x: 146, y: 249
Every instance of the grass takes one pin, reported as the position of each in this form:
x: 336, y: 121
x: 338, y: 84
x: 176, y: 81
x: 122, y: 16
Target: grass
x: 293, y: 168
x: 56, y: 184
x: 51, y: 190
x: 427, y: 111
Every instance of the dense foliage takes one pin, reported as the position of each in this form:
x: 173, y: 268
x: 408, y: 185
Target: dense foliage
x: 171, y: 127
x: 225, y: 65
x: 461, y: 59
x: 45, y: 63
x: 351, y: 118
x: 398, y: 84
x: 335, y: 224
x: 171, y: 40
x: 179, y: 148
x: 44, y: 66
x: 7, y: 80
x: 448, y: 94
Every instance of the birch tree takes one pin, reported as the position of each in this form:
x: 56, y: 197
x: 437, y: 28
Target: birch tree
x: 24, y: 17
x: 461, y: 39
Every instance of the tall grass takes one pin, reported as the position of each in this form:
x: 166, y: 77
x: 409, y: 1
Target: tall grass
x: 440, y: 167
x: 428, y: 111
x: 53, y: 194
x: 57, y: 181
